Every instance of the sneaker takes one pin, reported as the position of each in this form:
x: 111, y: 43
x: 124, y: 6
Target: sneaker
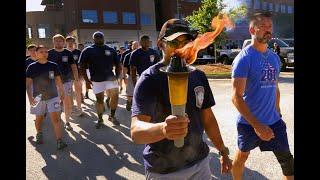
x: 68, y: 126
x: 128, y: 106
x: 86, y: 96
x: 114, y: 121
x: 61, y: 144
x: 78, y: 112
x: 99, y: 124
x: 39, y: 138
x: 108, y: 102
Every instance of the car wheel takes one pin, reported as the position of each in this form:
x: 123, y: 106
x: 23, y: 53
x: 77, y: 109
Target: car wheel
x: 283, y: 65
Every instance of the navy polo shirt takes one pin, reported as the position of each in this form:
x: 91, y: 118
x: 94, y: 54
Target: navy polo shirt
x: 142, y: 59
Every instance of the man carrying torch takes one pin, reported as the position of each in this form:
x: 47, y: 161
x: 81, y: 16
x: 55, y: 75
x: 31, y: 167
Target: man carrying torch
x: 174, y: 141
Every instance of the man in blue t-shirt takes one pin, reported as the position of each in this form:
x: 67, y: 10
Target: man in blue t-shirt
x: 100, y: 60
x: 69, y: 72
x: 43, y: 78
x: 142, y: 58
x: 128, y: 78
x: 256, y: 95
x: 32, y: 54
x: 71, y: 44
x: 153, y: 125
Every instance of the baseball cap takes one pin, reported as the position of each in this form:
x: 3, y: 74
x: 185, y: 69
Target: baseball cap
x: 174, y: 28
x: 97, y: 34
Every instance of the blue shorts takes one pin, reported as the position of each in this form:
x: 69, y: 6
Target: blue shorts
x: 248, y: 139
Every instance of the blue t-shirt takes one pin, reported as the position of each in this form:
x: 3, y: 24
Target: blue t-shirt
x: 262, y: 72
x: 29, y: 61
x: 100, y: 61
x: 143, y: 59
x: 151, y: 97
x: 64, y: 59
x: 43, y: 77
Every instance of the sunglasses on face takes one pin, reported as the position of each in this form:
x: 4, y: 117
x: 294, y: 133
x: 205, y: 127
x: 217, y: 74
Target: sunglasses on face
x: 175, y: 43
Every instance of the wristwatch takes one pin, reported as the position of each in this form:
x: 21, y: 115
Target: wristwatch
x: 224, y: 151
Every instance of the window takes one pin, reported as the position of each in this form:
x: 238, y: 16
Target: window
x: 29, y: 32
x: 128, y: 18
x: 257, y: 4
x: 283, y: 8
x: 277, y: 7
x: 191, y: 0
x: 43, y: 31
x: 146, y: 19
x: 89, y: 16
x: 290, y: 9
x: 110, y: 17
x: 270, y: 7
x: 265, y: 6
x: 249, y: 3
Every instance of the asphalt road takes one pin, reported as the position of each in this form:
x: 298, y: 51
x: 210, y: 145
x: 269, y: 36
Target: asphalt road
x: 108, y: 153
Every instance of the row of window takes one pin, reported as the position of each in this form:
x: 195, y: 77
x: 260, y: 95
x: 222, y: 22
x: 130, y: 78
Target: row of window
x: 258, y: 4
x: 111, y: 17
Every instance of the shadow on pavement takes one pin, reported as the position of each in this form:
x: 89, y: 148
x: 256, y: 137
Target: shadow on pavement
x: 91, y: 152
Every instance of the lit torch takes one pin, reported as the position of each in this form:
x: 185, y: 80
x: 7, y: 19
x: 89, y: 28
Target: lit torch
x: 179, y: 68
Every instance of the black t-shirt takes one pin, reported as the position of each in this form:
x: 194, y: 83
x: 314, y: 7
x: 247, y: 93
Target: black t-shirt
x: 142, y: 60
x: 124, y: 55
x: 126, y: 62
x: 151, y: 98
x: 29, y: 61
x: 76, y: 54
x: 100, y: 61
x: 64, y: 60
x: 43, y: 76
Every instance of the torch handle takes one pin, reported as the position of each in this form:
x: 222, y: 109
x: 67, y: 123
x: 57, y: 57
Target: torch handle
x: 178, y: 110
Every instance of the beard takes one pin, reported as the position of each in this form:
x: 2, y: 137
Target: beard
x: 264, y: 39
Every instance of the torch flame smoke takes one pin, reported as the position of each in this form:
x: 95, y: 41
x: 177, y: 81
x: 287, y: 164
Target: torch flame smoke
x: 189, y: 51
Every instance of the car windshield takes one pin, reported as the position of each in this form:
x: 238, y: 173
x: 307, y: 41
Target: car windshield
x: 290, y: 42
x: 278, y: 41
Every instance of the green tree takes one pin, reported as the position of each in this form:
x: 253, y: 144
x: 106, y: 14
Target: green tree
x: 200, y: 20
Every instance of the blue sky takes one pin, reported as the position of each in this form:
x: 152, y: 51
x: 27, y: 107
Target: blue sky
x: 34, y: 5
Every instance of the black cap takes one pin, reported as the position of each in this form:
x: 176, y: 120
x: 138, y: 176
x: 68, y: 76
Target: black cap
x: 174, y: 28
x: 97, y: 34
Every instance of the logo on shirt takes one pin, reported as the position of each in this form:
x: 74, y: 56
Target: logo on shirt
x: 268, y: 78
x: 56, y: 105
x: 51, y: 74
x: 64, y: 58
x: 75, y: 57
x: 199, y: 92
x: 151, y: 58
x: 107, y: 52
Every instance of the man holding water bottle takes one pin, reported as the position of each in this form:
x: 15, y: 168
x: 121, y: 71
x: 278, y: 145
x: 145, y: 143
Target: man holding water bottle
x: 43, y: 77
x: 152, y: 123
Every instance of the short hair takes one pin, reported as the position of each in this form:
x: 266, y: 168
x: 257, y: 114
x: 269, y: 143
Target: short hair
x: 121, y: 47
x: 58, y: 36
x: 80, y: 44
x: 256, y: 17
x: 31, y: 46
x: 70, y: 38
x: 144, y: 37
x: 40, y: 47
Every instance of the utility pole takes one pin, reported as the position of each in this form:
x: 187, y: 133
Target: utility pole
x: 178, y: 9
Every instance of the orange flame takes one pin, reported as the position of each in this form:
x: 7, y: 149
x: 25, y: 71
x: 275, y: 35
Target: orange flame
x: 189, y: 51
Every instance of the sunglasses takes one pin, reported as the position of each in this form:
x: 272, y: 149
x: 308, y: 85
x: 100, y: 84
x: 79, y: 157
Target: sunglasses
x: 176, y: 42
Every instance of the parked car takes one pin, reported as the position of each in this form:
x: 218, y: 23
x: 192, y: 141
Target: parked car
x: 226, y: 56
x: 289, y: 41
x: 286, y: 52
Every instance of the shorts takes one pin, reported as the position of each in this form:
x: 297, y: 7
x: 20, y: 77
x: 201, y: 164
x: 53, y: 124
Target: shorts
x: 129, y: 86
x: 201, y: 170
x: 51, y: 105
x: 67, y: 87
x: 248, y: 139
x: 98, y: 87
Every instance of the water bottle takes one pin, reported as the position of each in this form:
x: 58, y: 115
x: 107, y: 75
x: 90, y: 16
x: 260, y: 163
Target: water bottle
x: 37, y: 99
